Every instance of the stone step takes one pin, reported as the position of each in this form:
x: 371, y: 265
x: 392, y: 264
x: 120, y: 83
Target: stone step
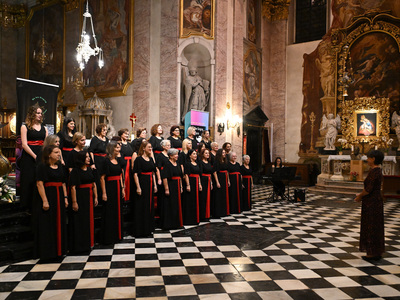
x: 15, y: 251
x: 339, y: 192
x: 344, y: 183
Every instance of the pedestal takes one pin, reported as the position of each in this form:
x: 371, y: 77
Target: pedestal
x: 337, y: 171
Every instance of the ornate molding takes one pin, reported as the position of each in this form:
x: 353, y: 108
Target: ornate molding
x: 275, y: 10
x: 12, y: 16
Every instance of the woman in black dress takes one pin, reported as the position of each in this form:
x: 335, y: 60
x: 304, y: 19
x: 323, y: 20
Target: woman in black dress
x: 175, y: 140
x: 213, y: 152
x: 227, y: 147
x: 66, y: 134
x: 247, y: 177
x: 279, y: 186
x: 33, y: 134
x: 112, y: 187
x: 51, y: 139
x: 141, y: 135
x: 182, y: 159
x: 206, y: 183
x: 161, y: 160
x: 84, y: 199
x: 49, y: 210
x: 79, y: 141
x: 191, y: 197
x: 191, y: 132
x: 98, y: 152
x: 372, y: 233
x: 235, y: 189
x: 171, y: 214
x: 205, y: 138
x: 156, y: 138
x: 144, y: 170
x: 220, y: 205
x: 126, y: 151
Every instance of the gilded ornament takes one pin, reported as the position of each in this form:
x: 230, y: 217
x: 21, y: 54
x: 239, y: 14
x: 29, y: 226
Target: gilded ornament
x: 12, y: 16
x: 275, y: 10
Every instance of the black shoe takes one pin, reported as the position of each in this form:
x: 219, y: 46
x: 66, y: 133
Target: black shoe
x: 371, y: 258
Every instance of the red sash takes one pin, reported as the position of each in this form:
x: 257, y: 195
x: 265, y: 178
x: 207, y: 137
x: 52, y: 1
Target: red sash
x: 207, y: 215
x: 227, y: 190
x: 157, y: 151
x: 237, y: 174
x: 127, y: 178
x: 58, y: 225
x: 178, y: 179
x: 35, y: 143
x: 117, y: 179
x: 90, y: 187
x: 67, y: 149
x: 197, y: 176
x: 248, y: 177
x: 151, y: 186
x: 100, y: 154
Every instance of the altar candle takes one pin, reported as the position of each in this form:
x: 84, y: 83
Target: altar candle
x: 376, y: 147
x: 352, y: 148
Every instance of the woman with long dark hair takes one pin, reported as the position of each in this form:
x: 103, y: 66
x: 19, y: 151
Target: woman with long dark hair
x: 144, y: 170
x: 171, y: 212
x: 66, y: 134
x: 156, y: 138
x: 221, y: 192
x: 191, y: 196
x: 84, y: 199
x: 33, y: 134
x: 206, y: 183
x: 126, y: 152
x: 49, y: 212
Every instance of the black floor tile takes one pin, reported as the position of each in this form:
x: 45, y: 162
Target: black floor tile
x: 99, y: 258
x: 198, y: 270
x: 39, y: 276
x: 229, y: 277
x: 121, y: 281
x: 317, y: 283
x: 171, y: 263
x: 260, y: 286
x: 95, y: 273
x: 122, y: 264
x: 359, y: 292
x: 18, y: 268
x: 72, y: 266
x: 8, y: 286
x: 150, y: 291
x: 245, y: 296
x: 31, y: 295
x: 65, y: 284
x: 327, y: 272
x: 280, y: 275
x: 304, y: 294
x: 176, y: 279
x: 148, y: 271
x: 83, y: 294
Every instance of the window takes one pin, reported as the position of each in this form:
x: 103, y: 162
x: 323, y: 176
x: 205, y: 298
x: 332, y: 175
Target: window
x: 311, y: 20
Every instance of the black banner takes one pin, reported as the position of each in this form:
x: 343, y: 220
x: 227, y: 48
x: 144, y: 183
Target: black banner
x: 30, y: 92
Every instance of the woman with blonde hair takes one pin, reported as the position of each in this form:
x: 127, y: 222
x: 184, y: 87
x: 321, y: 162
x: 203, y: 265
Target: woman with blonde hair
x: 191, y: 132
x: 33, y: 134
x: 186, y: 146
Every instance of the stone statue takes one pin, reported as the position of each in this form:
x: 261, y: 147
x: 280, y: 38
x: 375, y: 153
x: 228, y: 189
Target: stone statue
x: 396, y: 126
x: 325, y: 66
x: 196, y: 90
x: 332, y: 124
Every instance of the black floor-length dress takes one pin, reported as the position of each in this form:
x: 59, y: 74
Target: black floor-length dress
x: 372, y: 233
x: 246, y: 192
x: 82, y: 221
x: 205, y: 194
x: 49, y: 226
x: 111, y: 226
x: 28, y: 164
x: 127, y: 152
x: 171, y: 213
x: 144, y: 203
x: 235, y: 189
x: 190, y: 207
x: 98, y: 148
x: 66, y: 146
x: 220, y: 200
x: 176, y: 143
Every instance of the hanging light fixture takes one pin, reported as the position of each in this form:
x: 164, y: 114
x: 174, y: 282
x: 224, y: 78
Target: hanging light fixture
x: 44, y: 54
x: 84, y: 50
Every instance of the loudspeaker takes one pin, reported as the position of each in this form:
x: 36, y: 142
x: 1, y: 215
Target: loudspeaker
x: 300, y: 195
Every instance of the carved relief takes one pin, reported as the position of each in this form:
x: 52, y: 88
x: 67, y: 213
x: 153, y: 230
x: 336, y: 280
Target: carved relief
x: 275, y: 10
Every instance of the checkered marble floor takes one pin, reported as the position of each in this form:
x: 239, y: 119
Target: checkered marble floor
x: 318, y: 259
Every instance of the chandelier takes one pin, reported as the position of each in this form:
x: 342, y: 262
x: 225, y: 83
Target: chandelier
x: 44, y: 54
x: 84, y: 50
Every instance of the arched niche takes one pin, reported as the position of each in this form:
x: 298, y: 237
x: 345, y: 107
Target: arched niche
x: 202, y: 51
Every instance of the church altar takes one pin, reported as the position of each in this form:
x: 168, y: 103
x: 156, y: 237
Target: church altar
x: 333, y: 166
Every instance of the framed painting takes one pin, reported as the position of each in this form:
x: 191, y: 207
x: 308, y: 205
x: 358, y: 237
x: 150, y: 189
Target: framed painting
x: 45, y: 44
x: 114, y: 32
x: 251, y: 77
x: 197, y: 18
x: 252, y: 20
x: 366, y: 120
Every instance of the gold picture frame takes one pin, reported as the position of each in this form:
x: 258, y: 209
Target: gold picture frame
x: 116, y: 76
x: 366, y: 120
x: 197, y: 19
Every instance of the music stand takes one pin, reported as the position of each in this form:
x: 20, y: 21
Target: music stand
x: 284, y: 175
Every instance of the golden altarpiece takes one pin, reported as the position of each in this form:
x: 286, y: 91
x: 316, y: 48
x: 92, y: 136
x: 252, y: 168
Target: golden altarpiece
x: 366, y: 59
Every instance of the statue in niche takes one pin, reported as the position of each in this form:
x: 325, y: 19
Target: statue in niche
x: 332, y: 124
x: 325, y: 66
x: 196, y: 90
x: 396, y: 126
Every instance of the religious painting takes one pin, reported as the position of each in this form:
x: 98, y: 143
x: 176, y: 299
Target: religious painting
x: 366, y: 123
x: 251, y: 77
x: 375, y: 60
x: 45, y: 48
x: 197, y: 18
x: 252, y: 20
x: 113, y: 25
